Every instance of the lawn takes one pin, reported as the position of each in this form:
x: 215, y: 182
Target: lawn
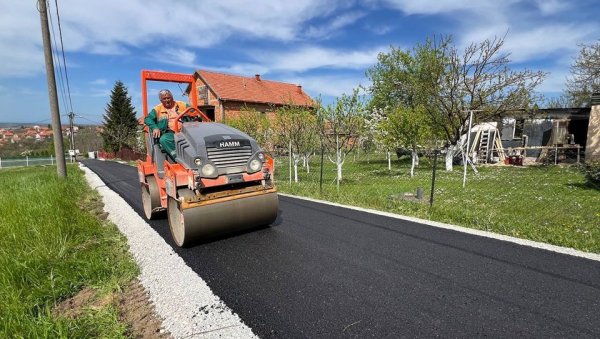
x: 551, y: 204
x: 52, y: 246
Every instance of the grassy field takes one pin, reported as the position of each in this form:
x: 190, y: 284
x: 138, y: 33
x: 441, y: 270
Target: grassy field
x: 53, y: 245
x: 550, y: 204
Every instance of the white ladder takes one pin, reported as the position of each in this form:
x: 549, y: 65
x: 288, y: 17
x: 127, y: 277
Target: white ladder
x: 484, y: 145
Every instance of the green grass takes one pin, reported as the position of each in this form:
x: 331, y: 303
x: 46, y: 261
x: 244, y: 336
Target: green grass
x: 51, y: 246
x: 551, y: 204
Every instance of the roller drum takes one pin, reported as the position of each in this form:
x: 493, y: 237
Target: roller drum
x: 201, y: 223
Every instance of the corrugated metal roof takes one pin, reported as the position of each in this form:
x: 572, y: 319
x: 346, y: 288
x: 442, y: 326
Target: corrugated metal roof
x: 596, y: 99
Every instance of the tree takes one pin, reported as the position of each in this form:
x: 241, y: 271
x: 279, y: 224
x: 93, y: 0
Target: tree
x: 478, y: 79
x: 255, y: 124
x: 585, y: 75
x: 87, y: 139
x: 295, y: 126
x: 408, y: 127
x: 120, y: 123
x: 340, y: 126
x: 401, y: 91
x: 373, y: 136
x: 447, y: 84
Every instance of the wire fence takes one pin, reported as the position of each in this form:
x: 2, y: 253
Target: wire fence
x: 548, y: 155
x: 30, y: 161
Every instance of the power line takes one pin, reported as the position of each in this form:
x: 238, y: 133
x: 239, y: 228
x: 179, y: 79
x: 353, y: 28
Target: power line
x: 82, y: 117
x: 57, y: 64
x: 63, y: 54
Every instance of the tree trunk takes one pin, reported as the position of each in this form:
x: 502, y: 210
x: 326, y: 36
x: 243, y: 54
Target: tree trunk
x: 450, y: 157
x: 415, y: 160
x: 296, y: 161
x: 389, y: 159
x: 338, y: 161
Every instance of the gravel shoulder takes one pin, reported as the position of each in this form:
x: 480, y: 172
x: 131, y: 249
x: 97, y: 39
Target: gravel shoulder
x: 179, y: 295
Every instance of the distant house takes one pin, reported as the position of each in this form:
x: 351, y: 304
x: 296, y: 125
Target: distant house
x: 225, y: 95
x: 30, y: 133
x: 548, y: 127
x: 8, y: 135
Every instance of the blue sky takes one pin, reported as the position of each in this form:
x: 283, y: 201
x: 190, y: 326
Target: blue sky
x: 326, y: 46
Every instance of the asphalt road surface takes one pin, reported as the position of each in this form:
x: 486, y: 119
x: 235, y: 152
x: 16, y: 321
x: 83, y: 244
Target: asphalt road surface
x: 322, y: 271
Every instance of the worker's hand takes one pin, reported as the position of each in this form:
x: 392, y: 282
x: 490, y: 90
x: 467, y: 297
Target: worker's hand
x: 156, y: 133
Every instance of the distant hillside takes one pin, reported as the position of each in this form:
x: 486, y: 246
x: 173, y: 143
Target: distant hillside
x: 30, y: 124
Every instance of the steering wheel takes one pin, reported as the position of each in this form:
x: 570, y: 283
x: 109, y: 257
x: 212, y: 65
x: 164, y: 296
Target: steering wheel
x: 192, y: 113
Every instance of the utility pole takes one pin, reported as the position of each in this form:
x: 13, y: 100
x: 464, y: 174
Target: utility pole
x: 72, y: 135
x: 61, y: 166
x: 466, y: 152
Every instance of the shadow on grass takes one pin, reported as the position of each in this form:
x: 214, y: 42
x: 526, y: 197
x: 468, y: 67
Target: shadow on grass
x: 586, y: 186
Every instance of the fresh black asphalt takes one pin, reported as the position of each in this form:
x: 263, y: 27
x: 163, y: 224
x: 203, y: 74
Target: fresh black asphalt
x: 325, y: 272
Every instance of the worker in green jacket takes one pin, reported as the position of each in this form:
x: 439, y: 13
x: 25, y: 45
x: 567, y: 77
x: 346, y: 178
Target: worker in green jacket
x: 161, y: 120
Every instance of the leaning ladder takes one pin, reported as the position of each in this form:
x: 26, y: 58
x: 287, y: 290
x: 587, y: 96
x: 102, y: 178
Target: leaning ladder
x: 484, y: 145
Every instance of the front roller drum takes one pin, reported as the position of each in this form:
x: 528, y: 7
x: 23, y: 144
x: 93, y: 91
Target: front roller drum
x: 208, y: 221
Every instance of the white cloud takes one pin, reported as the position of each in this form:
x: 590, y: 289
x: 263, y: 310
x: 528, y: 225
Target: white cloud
x: 379, y: 29
x: 114, y: 26
x: 312, y: 57
x: 100, y: 81
x: 546, y: 40
x: 447, y: 6
x: 196, y: 23
x: 335, y: 25
x: 178, y: 56
x: 548, y: 7
x: 541, y: 42
x: 20, y: 40
x: 328, y: 85
x: 244, y: 69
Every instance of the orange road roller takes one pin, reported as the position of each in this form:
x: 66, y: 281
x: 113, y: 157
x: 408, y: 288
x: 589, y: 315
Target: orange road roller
x: 219, y: 182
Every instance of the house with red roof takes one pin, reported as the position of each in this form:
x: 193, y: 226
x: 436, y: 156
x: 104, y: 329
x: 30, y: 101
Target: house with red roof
x: 223, y: 95
x: 8, y: 135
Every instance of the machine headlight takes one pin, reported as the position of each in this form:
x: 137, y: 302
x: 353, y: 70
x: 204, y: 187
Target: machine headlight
x: 261, y: 156
x: 255, y: 165
x: 198, y: 162
x: 208, y: 170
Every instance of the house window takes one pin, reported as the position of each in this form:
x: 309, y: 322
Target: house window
x: 508, y: 129
x: 519, y: 127
x: 203, y: 92
x: 512, y: 128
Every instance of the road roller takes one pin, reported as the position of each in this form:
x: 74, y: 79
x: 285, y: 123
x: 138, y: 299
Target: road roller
x: 220, y: 182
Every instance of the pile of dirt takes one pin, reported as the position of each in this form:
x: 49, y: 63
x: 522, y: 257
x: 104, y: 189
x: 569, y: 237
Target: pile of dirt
x: 138, y: 312
x: 135, y: 309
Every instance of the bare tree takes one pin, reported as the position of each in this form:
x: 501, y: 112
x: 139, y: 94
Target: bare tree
x: 295, y: 126
x: 340, y: 126
x: 477, y: 79
x: 585, y: 75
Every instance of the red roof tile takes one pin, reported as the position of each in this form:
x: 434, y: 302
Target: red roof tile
x: 251, y: 89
